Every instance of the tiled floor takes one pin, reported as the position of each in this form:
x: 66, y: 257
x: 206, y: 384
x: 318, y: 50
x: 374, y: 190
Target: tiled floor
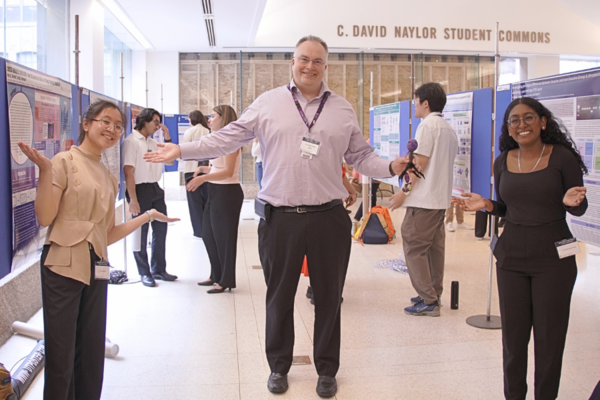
x: 178, y: 342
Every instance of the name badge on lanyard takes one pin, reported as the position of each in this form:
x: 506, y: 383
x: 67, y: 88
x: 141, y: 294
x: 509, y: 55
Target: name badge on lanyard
x: 309, y: 147
x: 102, y: 271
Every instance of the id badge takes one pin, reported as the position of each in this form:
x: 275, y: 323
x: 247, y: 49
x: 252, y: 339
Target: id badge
x: 102, y: 271
x: 567, y: 248
x: 309, y: 147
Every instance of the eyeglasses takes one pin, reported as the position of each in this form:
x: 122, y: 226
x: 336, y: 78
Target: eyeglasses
x: 119, y: 130
x: 156, y: 121
x: 306, y: 61
x: 529, y: 119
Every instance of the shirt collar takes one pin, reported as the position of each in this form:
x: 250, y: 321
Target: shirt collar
x: 324, y: 88
x: 433, y: 114
x: 138, y: 135
x: 85, y: 153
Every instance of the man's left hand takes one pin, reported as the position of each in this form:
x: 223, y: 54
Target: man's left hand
x: 169, y: 153
x: 397, y: 200
x: 399, y: 164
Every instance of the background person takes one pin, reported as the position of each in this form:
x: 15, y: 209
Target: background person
x: 196, y: 199
x: 222, y: 211
x: 259, y: 165
x: 460, y: 219
x: 76, y: 198
x: 302, y: 188
x: 423, y: 235
x: 143, y: 193
x: 538, y: 178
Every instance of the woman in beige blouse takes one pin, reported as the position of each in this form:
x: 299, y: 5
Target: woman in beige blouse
x: 76, y: 198
x: 221, y: 217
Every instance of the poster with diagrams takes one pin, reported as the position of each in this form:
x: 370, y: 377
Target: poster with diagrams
x: 458, y: 112
x: 39, y: 115
x: 386, y: 134
x: 111, y: 158
x: 575, y: 99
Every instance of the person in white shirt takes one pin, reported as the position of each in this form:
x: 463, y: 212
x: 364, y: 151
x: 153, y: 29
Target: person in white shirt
x: 221, y: 216
x: 143, y: 193
x: 259, y: 167
x: 198, y: 198
x: 423, y: 234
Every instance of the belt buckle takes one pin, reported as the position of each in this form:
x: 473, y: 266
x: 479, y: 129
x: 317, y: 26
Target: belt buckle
x: 301, y: 210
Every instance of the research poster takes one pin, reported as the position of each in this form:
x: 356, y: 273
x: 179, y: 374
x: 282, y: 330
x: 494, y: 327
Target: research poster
x: 40, y: 115
x: 111, y: 158
x: 135, y: 111
x: 386, y: 134
x: 458, y: 112
x: 575, y: 99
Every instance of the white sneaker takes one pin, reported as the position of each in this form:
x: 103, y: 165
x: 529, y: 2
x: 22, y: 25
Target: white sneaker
x: 450, y: 227
x: 478, y: 238
x: 465, y: 226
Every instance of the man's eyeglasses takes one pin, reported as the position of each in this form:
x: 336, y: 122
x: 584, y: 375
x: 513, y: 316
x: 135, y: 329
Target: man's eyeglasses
x: 306, y: 61
x: 119, y: 130
x: 529, y: 119
x: 156, y: 121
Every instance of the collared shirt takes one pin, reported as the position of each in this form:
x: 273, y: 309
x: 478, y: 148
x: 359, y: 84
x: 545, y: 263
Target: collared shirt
x: 289, y: 179
x: 134, y: 147
x: 438, y: 141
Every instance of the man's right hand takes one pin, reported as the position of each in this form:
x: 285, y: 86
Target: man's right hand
x: 134, y: 207
x: 169, y: 153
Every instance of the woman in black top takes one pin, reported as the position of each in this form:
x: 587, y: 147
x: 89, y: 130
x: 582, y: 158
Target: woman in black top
x: 538, y: 178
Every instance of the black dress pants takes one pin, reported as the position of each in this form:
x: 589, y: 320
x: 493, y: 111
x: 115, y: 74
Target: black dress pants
x: 374, y: 188
x: 541, y: 300
x: 283, y: 241
x: 221, y: 221
x: 74, y: 334
x: 151, y: 196
x: 196, y: 201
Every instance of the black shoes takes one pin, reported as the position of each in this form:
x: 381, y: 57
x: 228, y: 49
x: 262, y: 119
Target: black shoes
x: 207, y: 282
x: 216, y: 290
x: 148, y: 280
x: 278, y: 383
x: 326, y: 387
x: 164, y: 276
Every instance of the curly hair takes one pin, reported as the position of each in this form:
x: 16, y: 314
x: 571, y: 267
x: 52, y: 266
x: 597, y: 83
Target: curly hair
x: 555, y: 132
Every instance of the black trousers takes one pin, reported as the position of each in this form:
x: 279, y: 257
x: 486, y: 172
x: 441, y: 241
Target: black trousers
x: 196, y: 201
x: 374, y: 188
x: 74, y: 333
x: 221, y: 221
x: 283, y: 241
x: 541, y: 300
x: 151, y: 196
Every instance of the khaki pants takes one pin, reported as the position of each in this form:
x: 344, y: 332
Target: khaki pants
x: 460, y: 214
x: 423, y: 240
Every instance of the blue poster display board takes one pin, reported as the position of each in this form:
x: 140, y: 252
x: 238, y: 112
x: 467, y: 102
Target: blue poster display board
x: 5, y: 186
x: 177, y: 125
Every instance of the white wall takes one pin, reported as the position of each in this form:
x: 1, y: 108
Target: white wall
x: 138, y: 83
x: 163, y: 68
x: 542, y: 66
x: 91, y: 44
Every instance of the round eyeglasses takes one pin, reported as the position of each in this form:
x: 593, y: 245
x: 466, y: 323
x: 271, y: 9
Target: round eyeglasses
x: 119, y: 130
x: 529, y: 119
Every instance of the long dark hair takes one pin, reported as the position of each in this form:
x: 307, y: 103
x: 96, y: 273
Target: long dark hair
x: 555, y: 132
x: 196, y: 117
x: 93, y: 111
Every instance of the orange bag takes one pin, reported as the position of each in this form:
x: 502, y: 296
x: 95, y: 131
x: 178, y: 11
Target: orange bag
x: 383, y: 215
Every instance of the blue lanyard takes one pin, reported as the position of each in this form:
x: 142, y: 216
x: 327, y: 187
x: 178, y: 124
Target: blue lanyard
x: 301, y: 111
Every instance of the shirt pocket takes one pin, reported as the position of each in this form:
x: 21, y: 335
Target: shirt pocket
x: 58, y: 255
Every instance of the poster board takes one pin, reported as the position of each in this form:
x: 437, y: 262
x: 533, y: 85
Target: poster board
x: 40, y: 114
x: 458, y: 112
x: 575, y: 99
x: 384, y: 134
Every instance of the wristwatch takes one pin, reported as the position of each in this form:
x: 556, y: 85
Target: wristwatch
x: 168, y: 140
x: 149, y: 212
x: 392, y: 170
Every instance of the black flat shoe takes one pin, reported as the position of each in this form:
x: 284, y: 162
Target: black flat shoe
x: 277, y: 383
x: 207, y: 282
x: 215, y: 290
x: 147, y: 280
x: 326, y: 387
x: 165, y: 276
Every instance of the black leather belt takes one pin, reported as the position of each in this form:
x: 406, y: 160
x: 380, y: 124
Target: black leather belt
x: 308, y: 209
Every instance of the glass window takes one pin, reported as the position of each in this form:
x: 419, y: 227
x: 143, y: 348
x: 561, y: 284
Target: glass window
x: 36, y: 35
x: 113, y: 47
x: 577, y: 65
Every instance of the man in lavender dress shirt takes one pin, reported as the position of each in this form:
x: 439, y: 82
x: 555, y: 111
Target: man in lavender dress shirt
x: 301, y: 182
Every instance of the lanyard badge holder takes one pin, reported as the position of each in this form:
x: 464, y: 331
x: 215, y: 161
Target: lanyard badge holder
x: 309, y: 147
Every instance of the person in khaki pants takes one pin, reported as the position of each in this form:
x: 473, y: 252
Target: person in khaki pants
x: 460, y: 219
x: 422, y: 230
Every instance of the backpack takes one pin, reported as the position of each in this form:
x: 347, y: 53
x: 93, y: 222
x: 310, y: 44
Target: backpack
x: 377, y: 227
x: 6, y: 389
